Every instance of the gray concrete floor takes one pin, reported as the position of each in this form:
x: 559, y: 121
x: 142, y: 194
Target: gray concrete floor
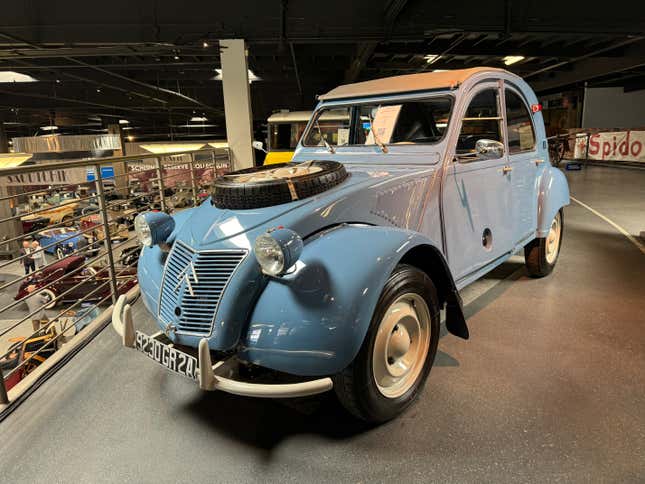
x: 548, y: 389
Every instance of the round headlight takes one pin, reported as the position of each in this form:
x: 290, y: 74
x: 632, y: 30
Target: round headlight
x: 277, y: 250
x: 142, y: 229
x: 269, y: 255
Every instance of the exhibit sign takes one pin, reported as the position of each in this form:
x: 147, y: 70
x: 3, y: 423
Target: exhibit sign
x: 626, y: 145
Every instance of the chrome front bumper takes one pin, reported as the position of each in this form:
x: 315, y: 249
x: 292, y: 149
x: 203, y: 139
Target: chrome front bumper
x: 208, y: 376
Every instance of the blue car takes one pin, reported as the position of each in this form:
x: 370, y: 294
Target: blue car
x: 60, y: 241
x: 329, y: 272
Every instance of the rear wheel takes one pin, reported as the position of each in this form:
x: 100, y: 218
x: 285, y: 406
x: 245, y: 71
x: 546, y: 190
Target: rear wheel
x: 50, y: 297
x: 541, y: 254
x: 396, y: 357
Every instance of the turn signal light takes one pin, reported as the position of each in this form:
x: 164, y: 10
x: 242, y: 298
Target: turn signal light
x: 536, y: 108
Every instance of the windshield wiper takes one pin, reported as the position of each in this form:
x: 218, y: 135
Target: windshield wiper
x: 375, y: 136
x: 329, y: 147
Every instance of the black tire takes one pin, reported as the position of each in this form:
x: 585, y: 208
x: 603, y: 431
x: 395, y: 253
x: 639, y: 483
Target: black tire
x: 231, y: 194
x: 356, y: 386
x: 535, y: 253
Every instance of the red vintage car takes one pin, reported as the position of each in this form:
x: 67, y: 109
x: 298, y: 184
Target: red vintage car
x: 76, y: 283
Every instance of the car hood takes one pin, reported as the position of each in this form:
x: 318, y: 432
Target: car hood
x: 372, y: 195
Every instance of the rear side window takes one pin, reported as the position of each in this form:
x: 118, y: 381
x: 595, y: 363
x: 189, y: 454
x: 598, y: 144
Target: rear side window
x: 481, y: 121
x: 521, y: 136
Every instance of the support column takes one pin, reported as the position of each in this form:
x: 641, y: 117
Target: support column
x: 237, y: 102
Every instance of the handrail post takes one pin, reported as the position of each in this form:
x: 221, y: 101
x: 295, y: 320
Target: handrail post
x: 4, y: 398
x: 107, y: 240
x: 192, y: 178
x: 160, y: 182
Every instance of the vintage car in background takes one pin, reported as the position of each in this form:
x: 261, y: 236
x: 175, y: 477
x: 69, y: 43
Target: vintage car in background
x: 41, y: 345
x: 60, y: 241
x: 33, y: 224
x: 331, y: 271
x: 58, y: 209
x: 118, y: 231
x: 72, y: 282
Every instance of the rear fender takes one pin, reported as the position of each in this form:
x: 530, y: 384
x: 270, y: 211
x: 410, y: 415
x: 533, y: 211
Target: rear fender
x: 313, y: 320
x: 553, y: 194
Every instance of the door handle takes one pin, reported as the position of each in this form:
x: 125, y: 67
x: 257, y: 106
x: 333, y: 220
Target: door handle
x: 538, y: 162
x: 507, y: 169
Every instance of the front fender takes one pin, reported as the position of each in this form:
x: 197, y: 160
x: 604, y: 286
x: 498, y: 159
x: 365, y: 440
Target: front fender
x: 313, y: 321
x: 553, y: 194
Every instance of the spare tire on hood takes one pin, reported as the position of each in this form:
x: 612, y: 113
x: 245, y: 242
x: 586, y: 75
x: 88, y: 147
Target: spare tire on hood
x: 264, y: 186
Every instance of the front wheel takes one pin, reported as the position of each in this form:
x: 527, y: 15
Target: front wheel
x: 398, y: 351
x: 541, y: 254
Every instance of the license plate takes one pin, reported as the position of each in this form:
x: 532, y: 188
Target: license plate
x: 174, y: 360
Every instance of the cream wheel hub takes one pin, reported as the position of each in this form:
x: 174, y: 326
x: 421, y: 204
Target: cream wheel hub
x: 280, y: 173
x: 401, y: 345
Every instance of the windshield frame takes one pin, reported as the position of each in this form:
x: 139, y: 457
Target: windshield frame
x: 373, y: 100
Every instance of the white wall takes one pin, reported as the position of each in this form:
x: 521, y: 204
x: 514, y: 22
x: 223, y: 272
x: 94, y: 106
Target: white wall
x: 611, y: 107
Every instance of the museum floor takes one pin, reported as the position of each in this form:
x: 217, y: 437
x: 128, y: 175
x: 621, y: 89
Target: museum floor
x: 549, y: 388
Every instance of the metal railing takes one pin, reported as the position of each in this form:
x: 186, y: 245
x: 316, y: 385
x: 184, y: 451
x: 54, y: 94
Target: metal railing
x: 67, y: 231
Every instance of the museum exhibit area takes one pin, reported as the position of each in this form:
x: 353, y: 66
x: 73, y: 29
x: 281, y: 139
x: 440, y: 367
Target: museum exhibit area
x: 314, y: 243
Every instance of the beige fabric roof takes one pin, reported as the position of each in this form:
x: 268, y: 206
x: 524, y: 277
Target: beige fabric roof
x: 410, y: 82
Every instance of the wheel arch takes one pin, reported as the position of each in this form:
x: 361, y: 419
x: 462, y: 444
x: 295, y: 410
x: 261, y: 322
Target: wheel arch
x: 553, y: 195
x: 314, y: 321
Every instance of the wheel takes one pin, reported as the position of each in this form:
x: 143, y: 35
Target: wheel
x: 541, y: 254
x: 60, y: 253
x: 265, y: 186
x: 50, y: 295
x: 398, y: 351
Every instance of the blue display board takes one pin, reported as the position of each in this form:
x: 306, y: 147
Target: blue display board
x: 107, y: 172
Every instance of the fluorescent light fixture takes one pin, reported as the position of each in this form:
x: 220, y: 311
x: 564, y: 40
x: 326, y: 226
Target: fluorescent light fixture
x: 430, y: 58
x: 439, y: 70
x: 124, y: 121
x: 512, y: 59
x: 11, y: 76
x: 198, y: 119
x: 49, y: 128
x: 251, y: 74
x: 127, y: 127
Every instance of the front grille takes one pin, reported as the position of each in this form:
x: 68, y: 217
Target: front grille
x: 193, y: 311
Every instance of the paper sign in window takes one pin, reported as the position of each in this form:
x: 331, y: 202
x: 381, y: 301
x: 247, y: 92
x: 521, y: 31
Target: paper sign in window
x: 383, y: 124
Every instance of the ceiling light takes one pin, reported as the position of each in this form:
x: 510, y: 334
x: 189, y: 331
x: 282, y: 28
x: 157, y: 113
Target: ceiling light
x: 124, y: 121
x: 198, y: 119
x: 205, y: 44
x: 57, y: 81
x: 250, y: 73
x: 49, y: 128
x: 512, y: 59
x: 130, y: 137
x: 98, y: 89
x: 430, y: 58
x: 11, y: 76
x: 176, y: 57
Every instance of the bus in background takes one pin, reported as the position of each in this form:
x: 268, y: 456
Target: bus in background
x: 285, y: 129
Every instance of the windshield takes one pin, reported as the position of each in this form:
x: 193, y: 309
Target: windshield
x: 409, y: 122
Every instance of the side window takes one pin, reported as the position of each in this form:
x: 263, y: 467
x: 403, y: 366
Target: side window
x: 481, y: 121
x: 521, y: 136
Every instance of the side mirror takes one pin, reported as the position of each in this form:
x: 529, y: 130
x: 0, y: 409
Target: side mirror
x: 258, y: 146
x: 489, y: 148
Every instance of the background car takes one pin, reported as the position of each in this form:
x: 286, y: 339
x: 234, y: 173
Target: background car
x: 59, y: 241
x: 73, y: 282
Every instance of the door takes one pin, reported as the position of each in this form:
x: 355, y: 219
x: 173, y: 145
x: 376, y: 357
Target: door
x: 522, y: 155
x: 477, y: 191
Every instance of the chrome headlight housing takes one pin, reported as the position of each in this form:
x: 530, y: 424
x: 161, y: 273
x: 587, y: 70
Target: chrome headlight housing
x: 153, y: 228
x: 277, y: 250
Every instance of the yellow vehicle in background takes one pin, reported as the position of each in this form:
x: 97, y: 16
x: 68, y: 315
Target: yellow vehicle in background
x: 286, y: 128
